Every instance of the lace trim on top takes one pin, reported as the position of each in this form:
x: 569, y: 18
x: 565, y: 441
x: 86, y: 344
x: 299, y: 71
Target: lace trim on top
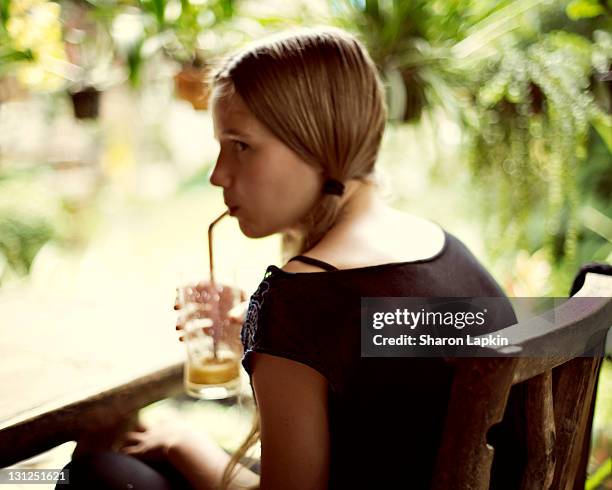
x: 249, y: 327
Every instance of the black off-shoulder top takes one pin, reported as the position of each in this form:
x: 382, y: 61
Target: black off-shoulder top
x: 386, y: 415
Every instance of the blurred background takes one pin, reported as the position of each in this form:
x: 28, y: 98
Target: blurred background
x: 500, y: 130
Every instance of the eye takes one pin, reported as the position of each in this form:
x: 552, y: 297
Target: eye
x: 240, y: 145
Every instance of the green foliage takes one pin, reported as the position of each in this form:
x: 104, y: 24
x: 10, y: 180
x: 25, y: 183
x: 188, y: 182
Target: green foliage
x: 580, y: 9
x: 4, y: 12
x: 399, y: 37
x: 523, y: 80
x: 9, y: 55
x: 532, y: 115
x: 33, y: 211
x: 174, y: 28
x: 156, y: 8
x: 429, y: 46
x: 599, y: 476
x: 601, y: 460
x: 521, y: 76
x: 21, y: 237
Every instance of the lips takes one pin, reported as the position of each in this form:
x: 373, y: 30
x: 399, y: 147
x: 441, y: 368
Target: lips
x: 230, y: 206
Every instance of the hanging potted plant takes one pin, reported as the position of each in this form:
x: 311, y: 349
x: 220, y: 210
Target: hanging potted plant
x: 182, y: 32
x: 86, y: 102
x: 412, y: 59
x: 90, y: 51
x: 191, y: 84
x: 191, y: 51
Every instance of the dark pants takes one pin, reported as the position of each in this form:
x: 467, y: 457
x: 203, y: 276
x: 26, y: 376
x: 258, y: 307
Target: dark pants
x: 107, y: 470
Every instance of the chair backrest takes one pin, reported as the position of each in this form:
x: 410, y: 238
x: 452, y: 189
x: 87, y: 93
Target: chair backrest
x: 558, y: 403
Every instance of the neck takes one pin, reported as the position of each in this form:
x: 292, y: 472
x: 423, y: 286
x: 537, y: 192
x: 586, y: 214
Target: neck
x: 359, y: 198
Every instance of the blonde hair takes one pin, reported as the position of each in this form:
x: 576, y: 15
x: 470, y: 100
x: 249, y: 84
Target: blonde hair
x: 319, y: 92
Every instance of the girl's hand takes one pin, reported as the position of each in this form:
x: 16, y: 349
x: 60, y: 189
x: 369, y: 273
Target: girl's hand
x: 207, y: 302
x: 192, y: 452
x: 152, y: 443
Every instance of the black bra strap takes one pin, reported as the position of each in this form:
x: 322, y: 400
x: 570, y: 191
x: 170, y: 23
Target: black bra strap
x: 315, y: 262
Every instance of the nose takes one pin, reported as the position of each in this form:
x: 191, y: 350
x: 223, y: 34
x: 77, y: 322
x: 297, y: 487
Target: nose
x: 221, y: 174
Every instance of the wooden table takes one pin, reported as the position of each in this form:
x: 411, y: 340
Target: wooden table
x: 79, y: 369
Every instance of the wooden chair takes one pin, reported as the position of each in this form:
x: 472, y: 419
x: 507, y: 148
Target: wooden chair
x: 559, y: 397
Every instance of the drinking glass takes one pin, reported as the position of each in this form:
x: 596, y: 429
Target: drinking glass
x: 214, y: 350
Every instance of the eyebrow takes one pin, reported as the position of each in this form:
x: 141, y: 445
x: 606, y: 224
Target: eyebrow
x: 233, y: 132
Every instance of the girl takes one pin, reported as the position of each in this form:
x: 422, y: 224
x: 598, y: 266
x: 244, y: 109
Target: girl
x: 299, y: 120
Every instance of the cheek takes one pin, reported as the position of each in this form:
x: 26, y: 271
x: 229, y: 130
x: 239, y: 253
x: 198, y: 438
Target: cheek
x: 275, y: 205
x: 291, y: 177
x: 278, y: 189
x: 292, y: 191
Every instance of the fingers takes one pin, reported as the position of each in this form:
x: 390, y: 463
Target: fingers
x: 197, y: 310
x: 238, y: 312
x: 199, y: 313
x: 206, y: 331
x: 192, y: 293
x: 204, y: 292
x: 129, y: 441
x: 205, y: 302
x: 130, y: 449
x: 132, y: 437
x: 133, y: 449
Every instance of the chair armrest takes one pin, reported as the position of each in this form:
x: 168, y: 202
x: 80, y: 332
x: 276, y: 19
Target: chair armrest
x: 577, y: 326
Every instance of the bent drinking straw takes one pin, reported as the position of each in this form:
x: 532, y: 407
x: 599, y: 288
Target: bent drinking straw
x: 210, y: 246
x: 212, y: 273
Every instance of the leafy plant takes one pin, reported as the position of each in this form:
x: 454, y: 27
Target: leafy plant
x: 423, y: 48
x: 21, y: 238
x: 173, y: 27
x: 529, y: 130
x: 31, y: 43
x: 397, y: 36
x: 527, y: 91
x: 89, y: 47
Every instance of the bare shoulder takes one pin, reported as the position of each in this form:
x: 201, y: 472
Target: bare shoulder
x: 296, y: 266
x: 416, y: 235
x: 393, y: 237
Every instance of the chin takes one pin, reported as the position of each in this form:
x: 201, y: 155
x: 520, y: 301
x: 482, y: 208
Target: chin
x: 252, y: 232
